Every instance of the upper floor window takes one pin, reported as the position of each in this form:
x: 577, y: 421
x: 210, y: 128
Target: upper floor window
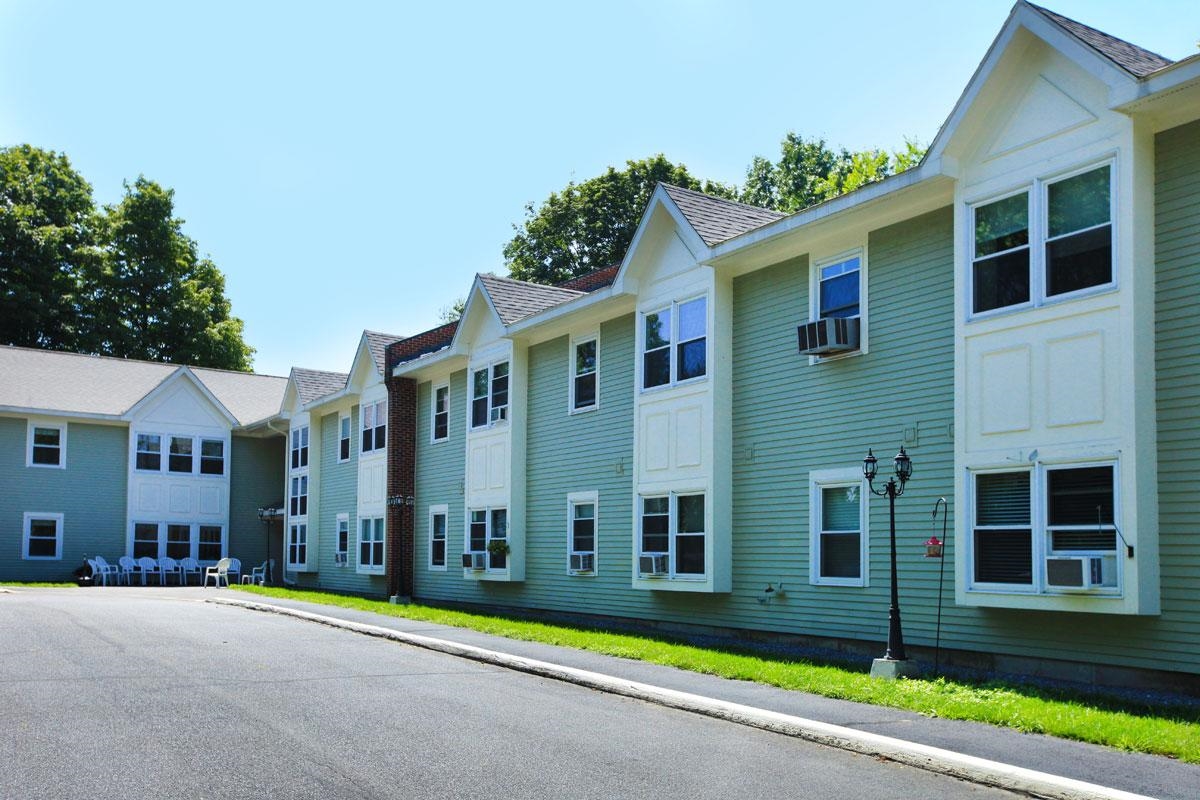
x: 149, y: 452
x: 374, y: 426
x: 441, y: 413
x: 1049, y: 240
x: 298, y: 497
x: 344, y: 437
x: 212, y: 457
x: 180, y: 456
x: 672, y: 536
x: 839, y: 288
x: 299, y: 447
x: 47, y: 446
x: 674, y: 343
x: 583, y: 373
x: 489, y: 394
x: 1049, y: 529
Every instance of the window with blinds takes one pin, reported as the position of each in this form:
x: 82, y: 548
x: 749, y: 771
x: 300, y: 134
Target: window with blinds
x: 1003, y: 532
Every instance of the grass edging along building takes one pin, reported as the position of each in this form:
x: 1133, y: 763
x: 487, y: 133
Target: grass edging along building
x: 111, y: 457
x: 654, y: 445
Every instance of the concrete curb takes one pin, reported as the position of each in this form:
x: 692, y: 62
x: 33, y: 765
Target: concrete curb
x: 934, y: 759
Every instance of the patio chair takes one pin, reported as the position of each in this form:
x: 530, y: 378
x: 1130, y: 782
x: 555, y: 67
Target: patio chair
x: 218, y: 572
x: 235, y: 568
x: 187, y: 567
x: 105, y: 571
x: 168, y: 566
x: 126, y: 569
x: 148, y: 566
x: 260, y: 574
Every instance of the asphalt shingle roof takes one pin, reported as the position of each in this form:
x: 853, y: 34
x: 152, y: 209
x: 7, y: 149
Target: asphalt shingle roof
x: 716, y: 219
x: 591, y: 281
x: 83, y: 384
x: 312, y: 384
x: 1135, y: 60
x: 515, y: 300
x: 378, y: 343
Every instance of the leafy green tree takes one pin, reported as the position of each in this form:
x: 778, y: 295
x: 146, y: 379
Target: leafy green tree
x: 589, y: 225
x: 47, y: 237
x: 152, y: 296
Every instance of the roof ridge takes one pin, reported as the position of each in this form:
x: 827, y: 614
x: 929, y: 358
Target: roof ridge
x: 1060, y: 19
x: 126, y: 360
x: 553, y: 286
x: 321, y: 371
x: 385, y: 333
x: 727, y: 201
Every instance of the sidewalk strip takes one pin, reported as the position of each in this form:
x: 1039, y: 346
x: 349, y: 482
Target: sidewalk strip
x: 934, y: 759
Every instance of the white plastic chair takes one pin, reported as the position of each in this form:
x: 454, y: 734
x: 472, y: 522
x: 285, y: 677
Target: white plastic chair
x: 148, y: 566
x: 188, y: 566
x: 218, y: 572
x: 235, y: 567
x: 105, y: 570
x: 126, y: 569
x: 168, y: 566
x: 260, y: 574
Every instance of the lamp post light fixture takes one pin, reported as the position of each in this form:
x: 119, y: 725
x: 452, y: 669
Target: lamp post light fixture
x: 895, y: 661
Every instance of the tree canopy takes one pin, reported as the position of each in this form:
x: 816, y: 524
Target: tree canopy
x: 589, y: 225
x: 120, y: 281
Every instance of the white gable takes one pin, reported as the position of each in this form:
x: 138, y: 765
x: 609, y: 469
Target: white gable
x: 180, y: 406
x: 1043, y: 112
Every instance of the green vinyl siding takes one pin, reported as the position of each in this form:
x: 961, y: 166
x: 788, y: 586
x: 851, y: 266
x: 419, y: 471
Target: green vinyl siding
x: 89, y: 493
x: 339, y: 495
x: 439, y: 481
x: 255, y: 471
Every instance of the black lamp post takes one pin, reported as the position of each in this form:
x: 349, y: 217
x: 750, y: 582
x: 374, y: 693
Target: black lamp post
x: 891, y: 490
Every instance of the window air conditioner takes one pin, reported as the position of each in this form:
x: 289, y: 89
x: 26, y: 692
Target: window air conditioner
x: 830, y: 335
x: 475, y: 561
x: 1080, y: 572
x: 652, y: 565
x: 339, y: 558
x: 583, y: 562
x: 499, y: 413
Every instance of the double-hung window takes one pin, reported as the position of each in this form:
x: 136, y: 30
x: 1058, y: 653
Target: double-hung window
x: 297, y: 546
x: 437, y: 537
x: 179, y: 541
x: 839, y: 288
x: 149, y: 452
x: 300, y: 447
x: 675, y: 343
x: 212, y: 457
x: 584, y: 354
x: 210, y: 546
x: 488, y: 533
x: 1052, y: 239
x: 341, y: 547
x: 581, y: 533
x: 344, y: 438
x: 440, y: 424
x: 374, y: 427
x: 47, y: 446
x: 42, y: 537
x: 180, y: 458
x: 673, y: 536
x: 489, y: 394
x: 1045, y: 529
x: 838, y: 542
x: 298, y: 499
x: 370, y: 544
x: 145, y: 539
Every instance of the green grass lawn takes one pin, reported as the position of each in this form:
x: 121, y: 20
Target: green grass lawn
x: 41, y: 584
x: 1109, y: 720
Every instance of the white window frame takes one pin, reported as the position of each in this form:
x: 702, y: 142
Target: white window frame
x: 573, y: 375
x: 293, y: 543
x: 341, y: 526
x: 61, y: 427
x: 198, y: 449
x: 26, y: 530
x: 345, y: 426
x: 381, y: 528
x: 442, y: 510
x: 1038, y: 191
x: 298, y: 487
x: 673, y: 534
x: 1039, y: 529
x: 814, y: 297
x: 299, y: 454
x: 223, y: 542
x: 488, y: 511
x: 195, y: 456
x: 433, y: 412
x: 136, y: 452
x: 378, y: 407
x: 491, y: 394
x: 819, y: 480
x: 673, y: 348
x: 578, y: 499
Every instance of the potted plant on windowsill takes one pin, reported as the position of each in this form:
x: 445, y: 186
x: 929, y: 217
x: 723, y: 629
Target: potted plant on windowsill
x: 498, y: 547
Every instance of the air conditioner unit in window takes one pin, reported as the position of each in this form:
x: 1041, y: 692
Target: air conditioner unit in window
x: 653, y: 566
x: 339, y: 558
x: 583, y: 562
x: 499, y: 413
x: 830, y: 335
x: 1081, y: 572
x: 475, y: 561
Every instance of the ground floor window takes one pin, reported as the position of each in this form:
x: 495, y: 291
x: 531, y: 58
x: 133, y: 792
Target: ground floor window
x: 1049, y: 528
x: 437, y: 537
x: 178, y: 540
x: 42, y: 537
x: 341, y: 547
x: 297, y: 545
x: 673, y: 532
x: 838, y: 522
x: 488, y: 535
x: 581, y: 533
x: 370, y: 544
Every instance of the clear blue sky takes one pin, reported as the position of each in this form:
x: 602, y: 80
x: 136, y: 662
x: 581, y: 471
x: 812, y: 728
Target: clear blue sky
x: 353, y: 165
